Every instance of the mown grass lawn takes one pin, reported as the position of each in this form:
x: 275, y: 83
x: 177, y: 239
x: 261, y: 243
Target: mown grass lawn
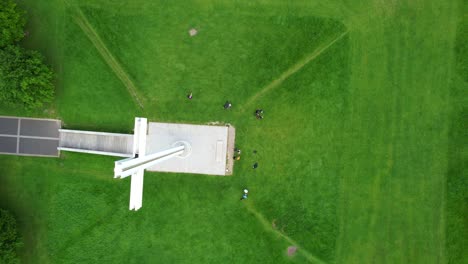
x: 361, y: 132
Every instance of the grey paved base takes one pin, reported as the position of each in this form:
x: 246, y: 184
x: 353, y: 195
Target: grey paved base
x: 29, y: 136
x: 208, y: 147
x: 34, y: 146
x: 8, y: 126
x: 8, y: 144
x: 40, y: 128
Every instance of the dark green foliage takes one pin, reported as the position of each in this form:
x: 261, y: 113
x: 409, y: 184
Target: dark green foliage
x: 457, y: 180
x: 12, y: 22
x: 24, y: 78
x: 461, y: 49
x: 10, y: 240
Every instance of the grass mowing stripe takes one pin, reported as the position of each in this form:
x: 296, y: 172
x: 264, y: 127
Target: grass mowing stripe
x: 368, y: 115
x: 311, y: 258
x: 391, y: 209
x: 89, y: 31
x: 76, y: 238
x: 295, y: 68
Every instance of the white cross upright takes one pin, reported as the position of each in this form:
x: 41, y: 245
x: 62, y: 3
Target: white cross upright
x: 136, y: 165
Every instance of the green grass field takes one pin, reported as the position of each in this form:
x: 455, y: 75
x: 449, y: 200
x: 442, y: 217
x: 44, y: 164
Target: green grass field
x: 361, y: 153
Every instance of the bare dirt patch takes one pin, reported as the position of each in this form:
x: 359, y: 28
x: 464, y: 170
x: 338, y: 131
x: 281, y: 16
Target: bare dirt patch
x: 193, y: 32
x: 292, y: 250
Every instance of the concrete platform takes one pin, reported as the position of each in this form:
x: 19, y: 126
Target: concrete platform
x: 207, y: 154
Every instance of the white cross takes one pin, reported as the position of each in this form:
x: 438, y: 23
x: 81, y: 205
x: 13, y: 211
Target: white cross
x: 136, y: 165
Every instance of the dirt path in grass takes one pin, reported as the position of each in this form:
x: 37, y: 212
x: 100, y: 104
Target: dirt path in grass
x: 268, y: 226
x: 81, y: 20
x: 292, y: 70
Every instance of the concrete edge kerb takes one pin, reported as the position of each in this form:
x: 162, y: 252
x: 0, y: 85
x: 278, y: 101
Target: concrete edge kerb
x: 94, y: 133
x: 31, y: 118
x: 30, y: 155
x: 106, y: 153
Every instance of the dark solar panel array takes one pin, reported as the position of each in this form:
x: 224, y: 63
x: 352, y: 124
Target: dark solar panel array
x: 27, y: 136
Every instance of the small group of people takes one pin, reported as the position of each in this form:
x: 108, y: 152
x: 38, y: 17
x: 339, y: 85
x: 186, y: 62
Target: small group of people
x: 227, y: 105
x: 259, y: 114
x: 237, y: 153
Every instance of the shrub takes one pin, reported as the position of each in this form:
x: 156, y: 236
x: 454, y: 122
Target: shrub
x: 12, y: 22
x: 24, y: 78
x: 10, y: 240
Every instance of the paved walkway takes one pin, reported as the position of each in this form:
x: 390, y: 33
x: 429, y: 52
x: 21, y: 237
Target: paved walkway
x: 112, y: 144
x: 29, y: 136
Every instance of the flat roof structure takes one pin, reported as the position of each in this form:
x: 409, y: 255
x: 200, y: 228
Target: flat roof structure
x: 207, y: 153
x: 29, y: 136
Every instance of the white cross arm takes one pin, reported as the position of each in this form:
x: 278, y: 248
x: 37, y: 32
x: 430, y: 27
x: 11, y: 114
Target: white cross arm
x: 126, y: 167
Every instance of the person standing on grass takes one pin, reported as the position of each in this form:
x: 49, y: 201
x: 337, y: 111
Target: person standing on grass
x: 227, y: 105
x: 190, y: 96
x: 237, y: 154
x: 245, y: 194
x: 255, y: 165
x: 259, y: 114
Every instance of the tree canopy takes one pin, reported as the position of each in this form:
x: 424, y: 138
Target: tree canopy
x: 12, y: 22
x: 10, y: 240
x: 24, y: 78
